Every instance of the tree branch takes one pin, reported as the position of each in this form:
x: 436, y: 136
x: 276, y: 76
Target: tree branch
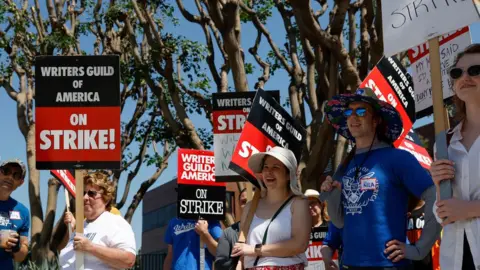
x: 141, y: 157
x: 148, y: 183
x: 265, y: 66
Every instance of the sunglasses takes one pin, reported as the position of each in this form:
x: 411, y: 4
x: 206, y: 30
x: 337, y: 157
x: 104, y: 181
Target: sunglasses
x: 91, y: 193
x: 472, y: 71
x: 9, y: 171
x: 360, y: 112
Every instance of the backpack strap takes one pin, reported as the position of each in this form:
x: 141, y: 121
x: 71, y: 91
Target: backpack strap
x: 273, y: 217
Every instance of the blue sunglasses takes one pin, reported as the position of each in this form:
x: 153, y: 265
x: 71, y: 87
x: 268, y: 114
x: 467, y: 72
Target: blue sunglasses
x: 360, y: 112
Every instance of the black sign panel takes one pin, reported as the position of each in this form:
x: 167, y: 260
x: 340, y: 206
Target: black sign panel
x: 201, y: 202
x: 268, y: 125
x: 71, y: 81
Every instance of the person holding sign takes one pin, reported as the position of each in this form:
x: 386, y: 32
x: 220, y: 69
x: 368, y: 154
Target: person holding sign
x: 369, y: 197
x: 280, y: 230
x: 320, y: 221
x: 14, y: 216
x: 108, y: 240
x: 183, y: 239
x: 460, y: 215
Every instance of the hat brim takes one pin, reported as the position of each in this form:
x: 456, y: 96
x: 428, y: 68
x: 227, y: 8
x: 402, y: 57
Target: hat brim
x: 336, y: 106
x: 255, y: 163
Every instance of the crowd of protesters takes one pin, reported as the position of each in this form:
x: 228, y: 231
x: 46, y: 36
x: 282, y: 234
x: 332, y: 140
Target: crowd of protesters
x: 380, y: 210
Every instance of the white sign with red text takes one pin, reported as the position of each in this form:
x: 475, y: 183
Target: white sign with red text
x: 450, y: 45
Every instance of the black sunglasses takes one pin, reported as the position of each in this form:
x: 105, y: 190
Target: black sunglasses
x: 9, y: 171
x: 360, y: 112
x: 91, y: 193
x: 472, y: 71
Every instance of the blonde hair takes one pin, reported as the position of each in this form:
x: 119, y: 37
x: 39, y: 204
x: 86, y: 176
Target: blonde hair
x: 101, y: 180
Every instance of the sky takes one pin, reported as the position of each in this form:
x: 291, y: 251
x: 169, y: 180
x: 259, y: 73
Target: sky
x: 12, y: 143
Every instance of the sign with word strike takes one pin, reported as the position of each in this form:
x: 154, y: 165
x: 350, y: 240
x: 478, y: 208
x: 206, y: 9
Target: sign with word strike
x: 198, y: 194
x: 230, y: 111
x: 77, y: 112
x: 313, y: 252
x: 413, y: 144
x: 450, y: 45
x: 67, y: 178
x: 391, y: 83
x: 268, y: 125
x: 408, y: 23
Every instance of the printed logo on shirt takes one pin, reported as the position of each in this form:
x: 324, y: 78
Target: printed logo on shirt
x: 4, y: 218
x: 359, y: 192
x: 15, y: 215
x: 183, y: 228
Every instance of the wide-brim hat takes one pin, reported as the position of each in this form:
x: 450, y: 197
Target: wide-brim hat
x: 284, y: 155
x: 391, y: 120
x: 17, y: 162
x: 312, y: 194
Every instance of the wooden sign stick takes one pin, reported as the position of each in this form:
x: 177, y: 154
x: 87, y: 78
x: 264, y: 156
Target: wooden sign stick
x: 439, y: 113
x: 79, y: 216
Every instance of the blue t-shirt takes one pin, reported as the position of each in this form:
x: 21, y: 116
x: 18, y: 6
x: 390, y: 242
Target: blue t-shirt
x: 13, y: 216
x: 334, y: 241
x: 186, y: 243
x: 375, y: 204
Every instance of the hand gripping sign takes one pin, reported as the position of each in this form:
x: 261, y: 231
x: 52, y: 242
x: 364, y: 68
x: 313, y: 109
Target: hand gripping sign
x: 77, y: 112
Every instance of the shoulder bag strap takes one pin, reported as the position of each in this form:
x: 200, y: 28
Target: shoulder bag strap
x: 273, y: 217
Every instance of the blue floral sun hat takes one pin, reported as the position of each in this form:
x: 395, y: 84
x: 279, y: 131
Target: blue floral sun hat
x: 335, y: 107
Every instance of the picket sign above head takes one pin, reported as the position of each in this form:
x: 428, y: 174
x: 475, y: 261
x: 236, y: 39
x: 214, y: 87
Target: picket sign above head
x: 268, y: 125
x: 408, y: 23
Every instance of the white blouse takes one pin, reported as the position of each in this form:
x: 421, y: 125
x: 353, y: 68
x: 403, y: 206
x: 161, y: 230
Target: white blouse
x: 466, y: 186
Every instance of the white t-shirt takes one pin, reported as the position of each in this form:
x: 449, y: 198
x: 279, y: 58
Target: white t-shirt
x: 107, y: 230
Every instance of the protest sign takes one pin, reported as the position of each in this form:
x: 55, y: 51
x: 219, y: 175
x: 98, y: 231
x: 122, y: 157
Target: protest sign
x: 67, y: 178
x: 268, y: 125
x: 77, y: 113
x: 391, y: 83
x: 412, y: 144
x: 313, y: 252
x: 199, y: 195
x: 450, y: 45
x: 408, y: 23
x: 230, y: 111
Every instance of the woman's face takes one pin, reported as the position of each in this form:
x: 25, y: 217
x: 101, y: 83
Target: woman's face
x: 274, y: 173
x: 93, y: 201
x: 467, y: 88
x: 315, y: 207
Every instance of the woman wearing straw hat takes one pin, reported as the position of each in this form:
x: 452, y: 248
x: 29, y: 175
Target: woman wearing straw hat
x: 280, y: 229
x: 370, y: 198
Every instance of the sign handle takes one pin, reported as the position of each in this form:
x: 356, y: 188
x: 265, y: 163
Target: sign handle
x: 439, y: 112
x: 67, y: 201
x: 202, y: 254
x: 79, y: 216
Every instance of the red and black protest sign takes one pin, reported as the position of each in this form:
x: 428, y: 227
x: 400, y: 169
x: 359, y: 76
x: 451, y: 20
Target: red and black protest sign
x: 412, y: 144
x: 77, y: 113
x: 67, y: 178
x: 313, y: 252
x: 230, y: 111
x: 268, y: 125
x: 391, y: 83
x: 199, y: 195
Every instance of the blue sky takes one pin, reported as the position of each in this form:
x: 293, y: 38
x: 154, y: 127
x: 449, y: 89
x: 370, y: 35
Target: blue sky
x: 12, y: 143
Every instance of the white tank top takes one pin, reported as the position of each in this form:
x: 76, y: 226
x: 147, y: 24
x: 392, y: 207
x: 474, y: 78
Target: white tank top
x: 280, y: 230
